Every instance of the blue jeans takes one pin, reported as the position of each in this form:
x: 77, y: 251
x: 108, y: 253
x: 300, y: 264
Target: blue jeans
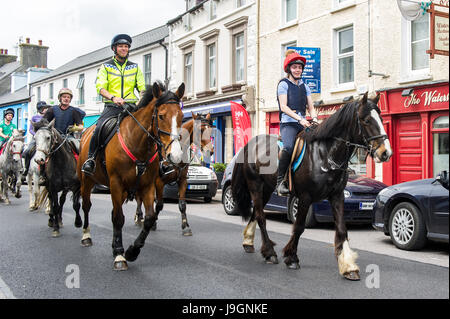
x: 288, y: 133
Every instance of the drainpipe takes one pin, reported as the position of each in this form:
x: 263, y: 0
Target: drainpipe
x: 166, y: 80
x: 257, y: 100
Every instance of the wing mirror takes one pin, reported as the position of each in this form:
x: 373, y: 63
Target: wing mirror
x: 442, y: 178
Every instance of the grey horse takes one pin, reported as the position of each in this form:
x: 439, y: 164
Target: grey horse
x: 11, y: 165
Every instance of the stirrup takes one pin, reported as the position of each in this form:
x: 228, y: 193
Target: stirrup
x: 84, y: 168
x: 282, y: 189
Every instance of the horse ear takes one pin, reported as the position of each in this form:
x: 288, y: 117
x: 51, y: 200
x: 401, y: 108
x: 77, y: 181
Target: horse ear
x: 194, y: 116
x: 180, y: 91
x: 156, y: 90
x: 377, y: 98
x: 364, y: 98
x: 51, y: 124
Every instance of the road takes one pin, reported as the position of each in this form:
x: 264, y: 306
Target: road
x: 211, y: 264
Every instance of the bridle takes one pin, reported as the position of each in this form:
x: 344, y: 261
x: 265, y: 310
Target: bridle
x: 10, y: 151
x: 53, y: 142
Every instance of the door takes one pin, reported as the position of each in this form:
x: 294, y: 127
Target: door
x: 408, y: 149
x: 438, y: 209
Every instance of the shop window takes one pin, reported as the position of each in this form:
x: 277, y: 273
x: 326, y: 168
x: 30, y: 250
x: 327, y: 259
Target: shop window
x: 440, y: 145
x: 358, y: 162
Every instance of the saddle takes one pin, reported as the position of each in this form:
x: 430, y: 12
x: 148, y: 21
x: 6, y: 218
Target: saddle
x: 296, y: 159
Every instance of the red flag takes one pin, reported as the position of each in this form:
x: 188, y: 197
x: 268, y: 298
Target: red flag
x: 242, y: 127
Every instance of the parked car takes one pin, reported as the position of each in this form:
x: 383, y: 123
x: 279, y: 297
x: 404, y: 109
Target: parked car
x: 202, y: 182
x: 413, y: 212
x: 360, y: 194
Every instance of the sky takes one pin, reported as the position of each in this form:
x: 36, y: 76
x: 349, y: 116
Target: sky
x: 76, y: 27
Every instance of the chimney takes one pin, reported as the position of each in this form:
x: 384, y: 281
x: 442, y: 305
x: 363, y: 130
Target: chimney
x: 32, y: 54
x: 5, y: 58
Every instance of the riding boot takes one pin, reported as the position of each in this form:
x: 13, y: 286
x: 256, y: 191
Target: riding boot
x: 89, y: 165
x: 27, y: 158
x: 282, y: 188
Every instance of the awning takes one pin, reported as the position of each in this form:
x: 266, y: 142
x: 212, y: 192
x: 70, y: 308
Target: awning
x: 214, y: 109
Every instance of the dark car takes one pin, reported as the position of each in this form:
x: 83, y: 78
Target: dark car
x: 414, y: 211
x: 360, y: 194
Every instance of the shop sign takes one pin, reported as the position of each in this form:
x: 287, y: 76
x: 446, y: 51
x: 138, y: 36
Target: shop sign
x: 427, y: 98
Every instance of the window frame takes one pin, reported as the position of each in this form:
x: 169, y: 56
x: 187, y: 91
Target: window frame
x: 189, y: 88
x: 240, y: 3
x: 284, y: 20
x: 338, y: 56
x: 208, y: 65
x: 147, y: 68
x: 212, y: 10
x: 80, y: 87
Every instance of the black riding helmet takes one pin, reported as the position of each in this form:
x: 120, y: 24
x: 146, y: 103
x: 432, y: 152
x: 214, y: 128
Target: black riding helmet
x: 41, y: 105
x: 8, y: 111
x: 121, y: 39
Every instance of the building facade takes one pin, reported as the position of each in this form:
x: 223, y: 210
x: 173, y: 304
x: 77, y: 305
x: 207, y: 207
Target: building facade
x: 365, y: 46
x: 212, y: 48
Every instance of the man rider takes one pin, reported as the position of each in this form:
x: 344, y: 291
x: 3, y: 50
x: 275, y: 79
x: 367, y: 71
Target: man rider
x: 116, y: 81
x: 7, y: 128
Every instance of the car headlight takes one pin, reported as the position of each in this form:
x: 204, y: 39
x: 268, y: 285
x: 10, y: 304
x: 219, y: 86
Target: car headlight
x: 347, y: 194
x: 213, y: 176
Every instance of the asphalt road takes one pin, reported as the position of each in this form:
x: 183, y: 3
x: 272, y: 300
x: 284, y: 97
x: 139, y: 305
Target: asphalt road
x: 211, y: 264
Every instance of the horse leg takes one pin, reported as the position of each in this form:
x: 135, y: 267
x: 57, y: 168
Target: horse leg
x: 159, y: 184
x: 290, y: 250
x: 249, y: 236
x: 62, y: 200
x: 76, y: 207
x: 5, y: 191
x: 32, y: 190
x: 148, y: 199
x: 138, y: 216
x: 118, y: 219
x: 267, y: 250
x: 18, y: 185
x: 182, y: 185
x: 53, y: 220
x: 85, y: 191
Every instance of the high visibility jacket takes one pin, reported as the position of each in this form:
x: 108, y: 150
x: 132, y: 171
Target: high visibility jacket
x: 120, y: 80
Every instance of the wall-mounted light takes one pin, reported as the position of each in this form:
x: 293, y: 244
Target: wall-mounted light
x: 407, y: 92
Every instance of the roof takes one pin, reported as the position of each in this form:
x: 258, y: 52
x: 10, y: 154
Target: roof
x: 9, y: 68
x: 21, y: 95
x: 139, y: 41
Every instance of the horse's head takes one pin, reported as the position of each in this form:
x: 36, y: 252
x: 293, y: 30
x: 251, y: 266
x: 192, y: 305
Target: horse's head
x: 45, y: 139
x: 372, y: 128
x: 167, y: 119
x: 204, y: 125
x: 15, y: 148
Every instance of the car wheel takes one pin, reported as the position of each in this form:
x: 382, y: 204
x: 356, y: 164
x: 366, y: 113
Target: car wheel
x: 207, y: 199
x: 310, y: 221
x: 406, y: 227
x: 228, y: 201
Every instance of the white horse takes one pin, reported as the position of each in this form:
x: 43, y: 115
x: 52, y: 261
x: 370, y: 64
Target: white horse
x: 36, y: 192
x: 11, y: 165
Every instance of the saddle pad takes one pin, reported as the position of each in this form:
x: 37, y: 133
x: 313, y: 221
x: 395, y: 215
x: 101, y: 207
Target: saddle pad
x: 299, y: 160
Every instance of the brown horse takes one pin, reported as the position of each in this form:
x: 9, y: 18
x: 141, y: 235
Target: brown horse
x: 133, y: 155
x: 322, y: 175
x: 198, y: 124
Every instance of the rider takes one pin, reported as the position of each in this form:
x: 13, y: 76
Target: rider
x: 116, y: 81
x: 41, y: 107
x: 293, y: 99
x: 7, y: 128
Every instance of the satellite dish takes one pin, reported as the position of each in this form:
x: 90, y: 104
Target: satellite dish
x: 410, y: 10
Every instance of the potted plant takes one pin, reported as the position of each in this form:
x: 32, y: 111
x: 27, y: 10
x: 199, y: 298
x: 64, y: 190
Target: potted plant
x: 219, y: 169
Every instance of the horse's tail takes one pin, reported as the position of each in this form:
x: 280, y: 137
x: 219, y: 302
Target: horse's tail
x: 241, y: 194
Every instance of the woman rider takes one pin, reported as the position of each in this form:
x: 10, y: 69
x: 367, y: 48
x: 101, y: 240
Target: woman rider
x: 293, y: 99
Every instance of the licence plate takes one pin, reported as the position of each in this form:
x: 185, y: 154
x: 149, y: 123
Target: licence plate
x: 366, y: 205
x: 197, y: 186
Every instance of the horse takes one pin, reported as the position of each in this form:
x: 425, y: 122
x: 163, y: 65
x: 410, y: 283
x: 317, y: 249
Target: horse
x: 142, y: 142
x: 322, y: 175
x: 11, y: 166
x: 35, y: 191
x: 199, y: 123
x: 60, y: 170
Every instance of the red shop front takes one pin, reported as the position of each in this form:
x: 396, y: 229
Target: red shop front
x: 416, y: 119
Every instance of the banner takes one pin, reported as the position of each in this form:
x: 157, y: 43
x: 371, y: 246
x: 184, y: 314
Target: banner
x: 242, y: 127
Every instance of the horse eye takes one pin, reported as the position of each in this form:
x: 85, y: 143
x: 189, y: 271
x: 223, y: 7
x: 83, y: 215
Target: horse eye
x: 161, y: 117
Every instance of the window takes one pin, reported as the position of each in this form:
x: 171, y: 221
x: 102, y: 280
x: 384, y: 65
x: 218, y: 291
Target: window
x: 50, y: 91
x: 188, y: 75
x: 148, y: 68
x: 65, y: 83
x: 212, y: 9
x: 80, y: 87
x: 211, y: 65
x: 344, y: 55
x: 289, y: 10
x: 38, y: 93
x: 284, y: 48
x: 240, y: 3
x: 420, y: 43
x: 440, y: 145
x: 239, y: 57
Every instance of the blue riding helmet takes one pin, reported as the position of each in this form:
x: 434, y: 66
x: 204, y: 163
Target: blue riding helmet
x: 41, y: 105
x: 121, y: 39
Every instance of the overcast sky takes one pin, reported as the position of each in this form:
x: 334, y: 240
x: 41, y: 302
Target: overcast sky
x: 76, y: 27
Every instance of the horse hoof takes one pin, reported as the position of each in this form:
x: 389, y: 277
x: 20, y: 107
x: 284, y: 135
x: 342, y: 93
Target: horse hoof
x: 56, y: 234
x: 249, y: 249
x: 293, y: 266
x: 78, y: 223
x: 50, y: 224
x: 187, y: 232
x: 18, y: 195
x: 86, y: 242
x: 272, y: 260
x: 352, y: 275
x: 154, y: 226
x: 120, y: 265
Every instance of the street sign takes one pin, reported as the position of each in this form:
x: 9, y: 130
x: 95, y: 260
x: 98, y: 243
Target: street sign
x: 311, y: 73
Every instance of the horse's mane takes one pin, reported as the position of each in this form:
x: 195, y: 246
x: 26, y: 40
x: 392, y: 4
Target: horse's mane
x: 43, y: 122
x: 335, y: 125
x: 148, y: 94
